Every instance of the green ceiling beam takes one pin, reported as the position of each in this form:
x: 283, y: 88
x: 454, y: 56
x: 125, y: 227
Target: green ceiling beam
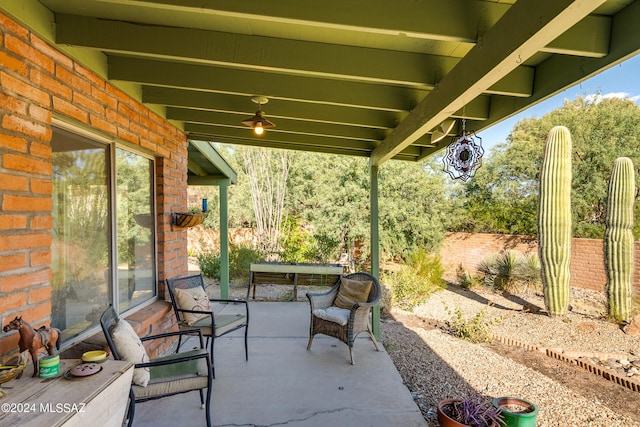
x: 447, y: 20
x: 254, y: 52
x: 589, y: 37
x: 267, y: 53
x: 481, y: 67
x: 286, y: 125
x: 195, y: 167
x: 277, y: 86
x: 212, y: 155
x: 259, y: 142
x: 274, y: 135
x: 215, y: 101
x: 559, y: 72
x: 207, y: 180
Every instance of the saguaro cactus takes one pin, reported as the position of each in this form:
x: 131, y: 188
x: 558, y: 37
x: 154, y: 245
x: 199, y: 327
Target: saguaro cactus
x: 618, y: 239
x: 554, y: 220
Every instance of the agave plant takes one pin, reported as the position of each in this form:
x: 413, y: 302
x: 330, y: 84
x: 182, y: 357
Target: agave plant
x: 471, y: 410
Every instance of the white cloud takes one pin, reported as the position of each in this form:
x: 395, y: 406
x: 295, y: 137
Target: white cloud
x: 596, y: 98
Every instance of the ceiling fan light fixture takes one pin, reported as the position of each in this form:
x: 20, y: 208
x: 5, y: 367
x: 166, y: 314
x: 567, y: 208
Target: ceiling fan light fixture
x: 258, y: 122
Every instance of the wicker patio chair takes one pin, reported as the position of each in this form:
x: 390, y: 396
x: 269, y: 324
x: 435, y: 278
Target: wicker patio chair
x: 163, y: 376
x: 341, y: 322
x: 200, y: 316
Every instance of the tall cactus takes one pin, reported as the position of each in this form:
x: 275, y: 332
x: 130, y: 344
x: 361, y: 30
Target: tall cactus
x: 554, y: 220
x: 618, y: 239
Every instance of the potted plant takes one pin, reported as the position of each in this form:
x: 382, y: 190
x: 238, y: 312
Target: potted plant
x: 470, y: 411
x: 517, y: 412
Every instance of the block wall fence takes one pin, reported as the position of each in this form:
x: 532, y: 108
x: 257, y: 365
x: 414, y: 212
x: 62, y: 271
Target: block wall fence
x: 587, y: 256
x: 38, y: 83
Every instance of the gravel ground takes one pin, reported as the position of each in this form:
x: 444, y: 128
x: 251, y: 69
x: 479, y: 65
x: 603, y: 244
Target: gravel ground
x: 436, y: 365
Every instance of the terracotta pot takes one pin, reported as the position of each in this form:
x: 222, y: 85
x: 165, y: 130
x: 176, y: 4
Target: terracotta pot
x: 444, y: 420
x: 525, y: 415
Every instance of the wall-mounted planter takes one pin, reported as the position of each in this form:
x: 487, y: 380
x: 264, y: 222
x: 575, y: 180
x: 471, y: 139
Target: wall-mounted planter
x: 187, y: 219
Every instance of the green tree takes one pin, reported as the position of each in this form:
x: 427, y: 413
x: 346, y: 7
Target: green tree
x: 502, y: 197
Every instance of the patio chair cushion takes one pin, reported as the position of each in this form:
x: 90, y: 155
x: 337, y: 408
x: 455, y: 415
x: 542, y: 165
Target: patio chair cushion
x: 224, y: 323
x: 130, y: 348
x: 193, y: 299
x: 174, y: 378
x: 333, y: 314
x: 351, y: 292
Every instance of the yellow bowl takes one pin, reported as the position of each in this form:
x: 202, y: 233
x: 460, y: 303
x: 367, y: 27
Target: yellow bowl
x: 95, y: 356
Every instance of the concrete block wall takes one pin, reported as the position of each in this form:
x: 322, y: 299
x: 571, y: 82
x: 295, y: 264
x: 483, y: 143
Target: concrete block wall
x: 587, y: 256
x: 38, y: 82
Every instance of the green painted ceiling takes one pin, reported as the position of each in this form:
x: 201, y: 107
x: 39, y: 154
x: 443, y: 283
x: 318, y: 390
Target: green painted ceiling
x: 370, y: 78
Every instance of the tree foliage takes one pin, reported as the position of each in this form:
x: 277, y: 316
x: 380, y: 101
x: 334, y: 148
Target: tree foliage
x: 502, y: 198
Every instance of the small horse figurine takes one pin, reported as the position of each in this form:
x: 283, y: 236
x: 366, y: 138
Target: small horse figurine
x: 34, y: 339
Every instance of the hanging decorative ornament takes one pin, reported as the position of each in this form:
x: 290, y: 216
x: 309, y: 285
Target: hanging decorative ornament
x: 464, y: 155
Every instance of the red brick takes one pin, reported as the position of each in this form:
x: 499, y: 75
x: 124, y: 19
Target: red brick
x: 40, y: 294
x: 41, y: 150
x: 13, y: 222
x: 88, y: 103
x: 13, y: 301
x: 26, y: 127
x: 14, y: 27
x: 12, y: 104
x: 99, y: 94
x: 24, y: 281
x: 40, y: 114
x: 12, y: 63
x: 39, y: 315
x: 103, y: 125
x: 117, y: 118
x: 20, y: 48
x: 40, y: 258
x: 58, y: 57
x: 41, y: 222
x: 23, y: 89
x: 89, y: 75
x: 128, y: 135
x: 51, y: 84
x: 24, y: 241
x: 69, y: 109
x: 13, y: 262
x: 73, y: 80
x: 27, y: 164
x: 41, y: 186
x: 13, y: 182
x: 26, y: 203
x: 120, y: 95
x: 9, y: 343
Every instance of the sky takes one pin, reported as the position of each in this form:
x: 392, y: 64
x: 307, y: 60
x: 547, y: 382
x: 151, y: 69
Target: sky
x: 619, y: 81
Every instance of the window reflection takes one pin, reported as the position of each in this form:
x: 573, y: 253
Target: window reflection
x: 80, y: 252
x: 135, y: 229
x: 83, y: 258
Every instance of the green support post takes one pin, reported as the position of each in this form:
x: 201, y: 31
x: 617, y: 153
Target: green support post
x: 375, y: 243
x: 224, y: 240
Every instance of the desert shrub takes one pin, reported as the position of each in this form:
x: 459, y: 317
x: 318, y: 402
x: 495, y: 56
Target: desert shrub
x: 386, y: 298
x: 511, y: 271
x: 475, y: 329
x: 420, y: 277
x: 209, y: 264
x: 465, y: 279
x: 240, y: 259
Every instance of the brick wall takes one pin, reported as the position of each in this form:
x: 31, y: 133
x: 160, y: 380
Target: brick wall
x: 587, y: 256
x: 37, y: 82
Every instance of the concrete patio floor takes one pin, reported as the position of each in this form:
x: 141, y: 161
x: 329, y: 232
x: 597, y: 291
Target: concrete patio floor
x: 284, y: 384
